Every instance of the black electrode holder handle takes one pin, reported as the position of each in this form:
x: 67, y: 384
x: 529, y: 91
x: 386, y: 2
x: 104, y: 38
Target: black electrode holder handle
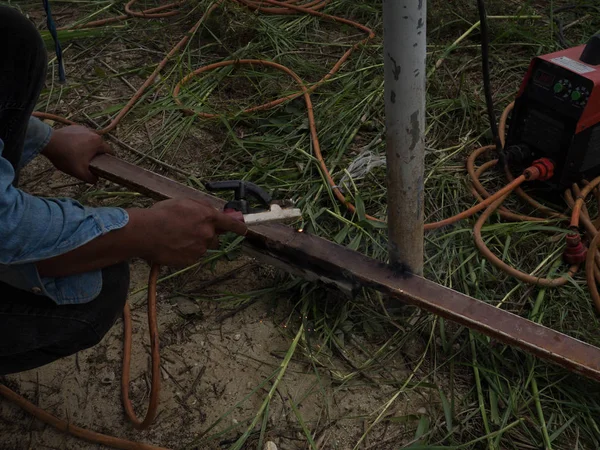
x: 591, y: 52
x: 243, y: 191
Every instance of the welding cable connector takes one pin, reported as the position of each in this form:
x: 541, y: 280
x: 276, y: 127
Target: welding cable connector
x: 516, y: 155
x: 541, y: 169
x: 576, y: 252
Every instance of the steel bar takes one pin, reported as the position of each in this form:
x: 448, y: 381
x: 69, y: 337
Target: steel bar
x: 404, y: 47
x: 317, y: 258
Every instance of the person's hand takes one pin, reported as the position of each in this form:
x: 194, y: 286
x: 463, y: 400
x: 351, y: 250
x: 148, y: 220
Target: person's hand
x: 178, y: 232
x: 174, y: 233
x: 72, y: 148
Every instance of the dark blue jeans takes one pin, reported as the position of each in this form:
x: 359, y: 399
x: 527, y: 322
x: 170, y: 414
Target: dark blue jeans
x: 34, y: 331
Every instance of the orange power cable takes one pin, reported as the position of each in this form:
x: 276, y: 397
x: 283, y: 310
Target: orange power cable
x: 496, y: 205
x: 591, y: 270
x: 155, y: 356
x: 74, y: 430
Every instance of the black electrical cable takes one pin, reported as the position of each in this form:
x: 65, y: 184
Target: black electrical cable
x: 487, y: 85
x: 57, y: 47
x: 560, y: 32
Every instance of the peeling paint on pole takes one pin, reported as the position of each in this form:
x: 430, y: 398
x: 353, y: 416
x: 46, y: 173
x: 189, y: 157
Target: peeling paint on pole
x: 404, y: 23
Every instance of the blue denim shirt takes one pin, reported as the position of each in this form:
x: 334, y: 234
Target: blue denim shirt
x: 33, y: 229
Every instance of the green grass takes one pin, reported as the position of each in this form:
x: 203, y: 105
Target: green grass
x: 487, y: 395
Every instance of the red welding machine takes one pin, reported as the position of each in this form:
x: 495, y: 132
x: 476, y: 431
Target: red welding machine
x: 557, y: 115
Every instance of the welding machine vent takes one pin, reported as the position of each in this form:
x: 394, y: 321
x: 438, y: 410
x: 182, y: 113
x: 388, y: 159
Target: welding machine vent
x: 541, y: 130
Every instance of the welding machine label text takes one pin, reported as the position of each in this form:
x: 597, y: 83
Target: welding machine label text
x: 573, y: 65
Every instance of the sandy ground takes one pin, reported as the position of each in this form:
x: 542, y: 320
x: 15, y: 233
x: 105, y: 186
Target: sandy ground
x: 213, y: 368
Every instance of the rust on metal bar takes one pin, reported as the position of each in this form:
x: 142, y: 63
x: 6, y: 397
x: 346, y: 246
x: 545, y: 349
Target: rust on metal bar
x: 325, y: 257
x: 145, y: 182
x: 318, y: 258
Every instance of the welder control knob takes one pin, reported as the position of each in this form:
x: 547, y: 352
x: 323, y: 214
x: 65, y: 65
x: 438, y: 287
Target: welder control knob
x: 563, y: 88
x: 580, y: 96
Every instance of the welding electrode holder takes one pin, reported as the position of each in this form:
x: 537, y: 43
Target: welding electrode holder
x: 243, y: 190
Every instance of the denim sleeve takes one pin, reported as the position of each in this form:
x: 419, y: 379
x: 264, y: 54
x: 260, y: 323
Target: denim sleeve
x: 33, y: 229
x: 37, y: 137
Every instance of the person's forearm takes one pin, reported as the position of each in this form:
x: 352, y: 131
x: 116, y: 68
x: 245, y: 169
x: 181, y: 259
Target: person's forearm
x: 104, y: 251
x: 175, y: 233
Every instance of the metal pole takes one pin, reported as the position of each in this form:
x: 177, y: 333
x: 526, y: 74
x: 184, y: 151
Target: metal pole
x: 404, y: 23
